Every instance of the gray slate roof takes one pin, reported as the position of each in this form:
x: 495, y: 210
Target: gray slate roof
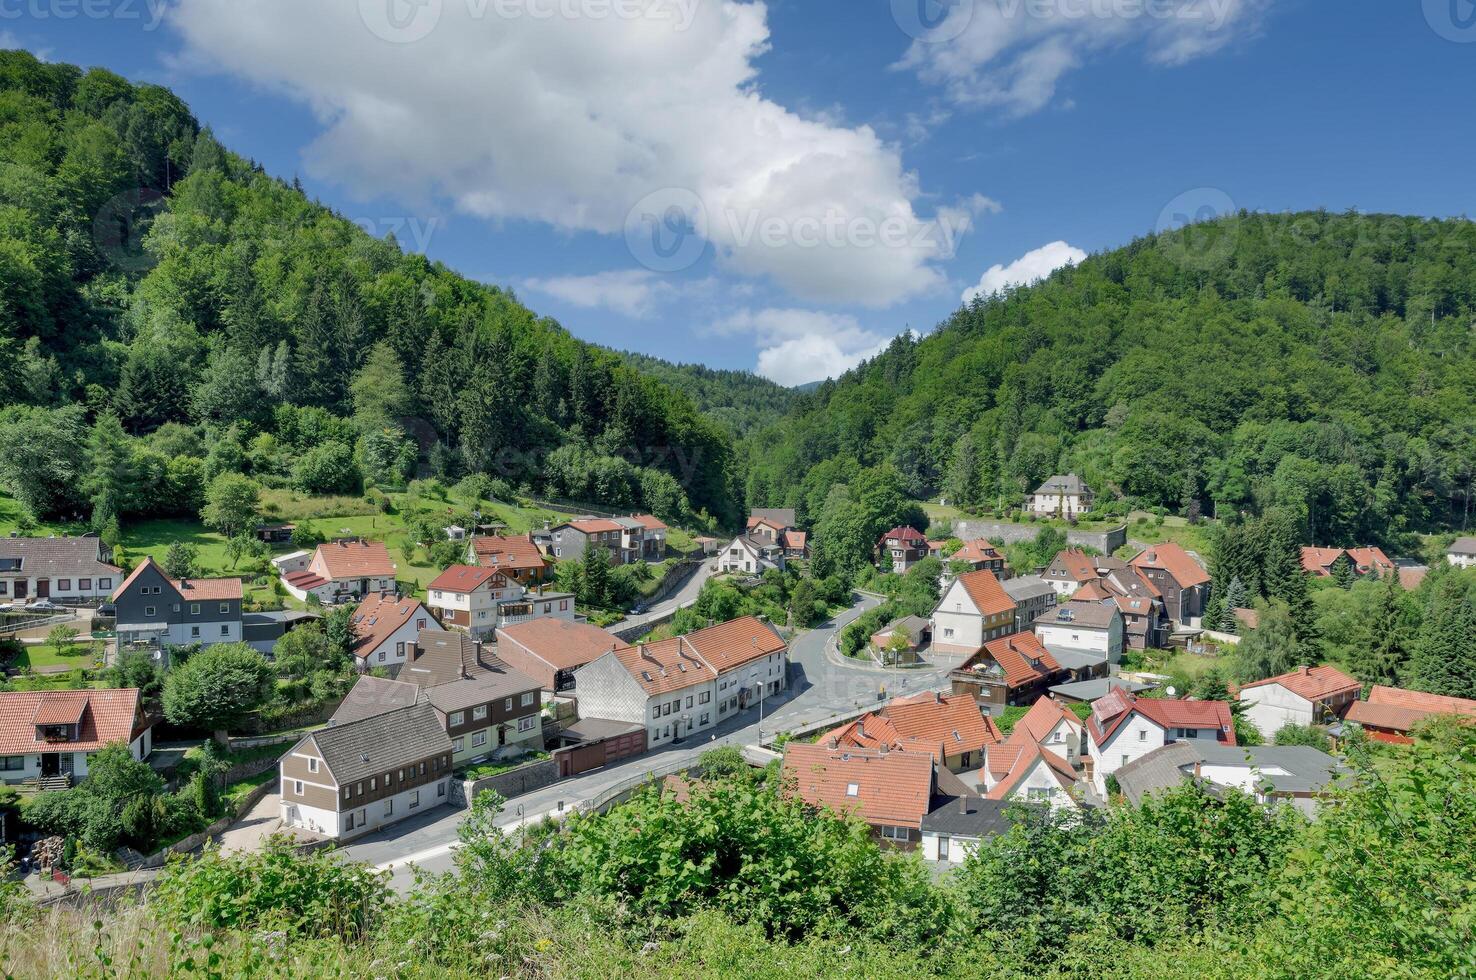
x: 1093, y: 615
x: 375, y: 745
x: 372, y: 696
x: 966, y: 816
x: 1070, y: 483
x: 1025, y: 587
x: 1462, y: 546
x: 1301, y: 768
x: 781, y: 515
x: 54, y: 557
x: 1097, y: 688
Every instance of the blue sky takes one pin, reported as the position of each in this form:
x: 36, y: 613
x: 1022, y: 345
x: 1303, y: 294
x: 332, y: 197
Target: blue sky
x: 785, y: 187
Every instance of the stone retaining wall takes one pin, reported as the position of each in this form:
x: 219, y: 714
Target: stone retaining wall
x: 514, y: 782
x: 1104, y: 541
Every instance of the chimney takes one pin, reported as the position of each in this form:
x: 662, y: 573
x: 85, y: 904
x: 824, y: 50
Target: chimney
x: 963, y: 804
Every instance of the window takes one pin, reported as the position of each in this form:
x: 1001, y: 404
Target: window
x: 419, y: 624
x: 64, y: 585
x: 148, y: 610
x: 948, y: 631
x: 358, y: 789
x: 399, y: 650
x: 656, y: 712
x: 225, y: 608
x: 704, y: 697
x: 297, y: 786
x: 441, y: 789
x: 479, y: 712
x: 312, y: 765
x: 345, y: 792
x: 896, y: 833
x: 225, y: 629
x: 422, y: 768
x: 525, y: 723
x: 457, y: 744
x: 1142, y: 735
x: 1124, y: 761
x: 507, y: 704
x: 194, y: 609
x: 373, y: 783
x: 563, y: 605
x: 389, y: 807
x: 13, y: 762
x: 381, y: 656
x: 4, y: 588
x: 704, y: 718
x: 528, y: 698
x: 479, y: 740
x: 194, y: 631
x: 456, y: 718
x: 104, y: 583
x: 689, y: 700
x: 415, y: 799
x: 853, y: 789
x: 1040, y: 793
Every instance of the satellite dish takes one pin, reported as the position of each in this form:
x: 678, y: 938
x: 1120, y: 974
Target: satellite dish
x: 1170, y: 691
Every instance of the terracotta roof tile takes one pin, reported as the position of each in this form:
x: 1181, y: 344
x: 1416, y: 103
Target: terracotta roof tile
x: 106, y: 716
x: 1421, y: 701
x: 463, y: 578
x: 1172, y: 558
x: 908, y: 534
x: 209, y: 589
x: 561, y: 644
x: 1023, y: 754
x: 355, y: 559
x: 1018, y: 656
x: 988, y: 595
x: 650, y: 522
x: 379, y: 616
x: 1043, y: 717
x: 890, y: 788
x: 953, y: 719
x: 515, y: 552
x: 1110, y: 712
x: 1073, y: 564
x: 1367, y: 560
x: 1319, y: 561
x: 1312, y: 683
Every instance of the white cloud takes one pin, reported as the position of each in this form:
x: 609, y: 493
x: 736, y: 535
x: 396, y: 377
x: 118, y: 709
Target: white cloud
x: 1035, y: 264
x: 1012, y: 54
x: 632, y: 292
x: 800, y: 346
x: 573, y: 120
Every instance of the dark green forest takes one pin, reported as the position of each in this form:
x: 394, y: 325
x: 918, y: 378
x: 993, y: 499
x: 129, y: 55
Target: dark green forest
x: 738, y: 400
x: 170, y: 313
x: 1318, y: 364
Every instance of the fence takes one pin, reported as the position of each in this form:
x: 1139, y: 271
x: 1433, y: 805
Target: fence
x: 24, y: 625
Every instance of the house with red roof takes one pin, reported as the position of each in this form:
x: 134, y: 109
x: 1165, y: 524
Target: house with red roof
x: 775, y: 526
x: 1124, y: 727
x: 550, y: 650
x: 974, y: 610
x: 350, y: 568
x: 1020, y: 768
x: 1012, y: 670
x: 1391, y: 713
x: 1179, y: 578
x: 478, y: 599
x: 385, y: 626
x: 1069, y: 571
x: 516, y: 556
x: 949, y: 727
x: 891, y: 791
x: 1320, y: 561
x: 46, y: 737
x: 154, y: 610
x: 1305, y: 696
x: 1056, y: 727
x: 680, y: 687
x: 980, y: 555
x: 1370, y: 561
x: 901, y: 548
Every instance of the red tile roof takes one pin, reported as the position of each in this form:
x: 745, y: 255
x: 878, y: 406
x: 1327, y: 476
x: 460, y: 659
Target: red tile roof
x: 305, y: 580
x: 559, y: 643
x: 1318, y: 561
x: 355, y: 559
x: 592, y: 525
x: 976, y: 550
x: 953, y: 719
x: 734, y: 643
x: 463, y: 578
x: 1172, y: 558
x: 670, y: 665
x: 906, y: 534
x: 988, y: 595
x: 1110, y: 712
x: 1399, y: 710
x: 516, y: 552
x: 209, y: 589
x: 795, y: 540
x: 1312, y: 683
x: 106, y: 716
x: 891, y: 788
x: 1369, y: 559
x: 128, y: 581
x: 1022, y: 753
x: 377, y: 618
x: 1043, y: 717
x: 1411, y: 578
x: 649, y: 521
x: 1018, y: 654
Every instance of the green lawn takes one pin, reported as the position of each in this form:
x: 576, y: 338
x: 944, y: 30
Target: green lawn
x: 41, y: 655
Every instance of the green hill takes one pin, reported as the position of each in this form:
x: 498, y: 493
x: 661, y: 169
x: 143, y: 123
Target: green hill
x: 1317, y: 362
x: 229, y: 323
x: 739, y: 400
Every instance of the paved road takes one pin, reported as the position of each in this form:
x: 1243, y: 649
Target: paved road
x: 821, y: 687
x: 684, y: 596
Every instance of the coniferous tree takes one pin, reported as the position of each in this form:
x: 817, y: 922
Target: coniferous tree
x: 1385, y: 639
x: 112, y: 476
x: 1444, y: 656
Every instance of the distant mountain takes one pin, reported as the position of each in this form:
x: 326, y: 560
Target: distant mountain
x: 739, y: 400
x: 1325, y: 363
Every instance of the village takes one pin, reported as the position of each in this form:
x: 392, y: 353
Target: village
x: 1030, y: 687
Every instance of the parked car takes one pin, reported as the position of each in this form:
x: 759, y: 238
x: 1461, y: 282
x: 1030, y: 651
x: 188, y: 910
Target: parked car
x: 107, y: 611
x: 44, y: 605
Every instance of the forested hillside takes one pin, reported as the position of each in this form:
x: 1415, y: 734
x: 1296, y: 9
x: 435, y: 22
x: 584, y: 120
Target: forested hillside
x: 170, y: 313
x: 1318, y: 364
x: 740, y: 400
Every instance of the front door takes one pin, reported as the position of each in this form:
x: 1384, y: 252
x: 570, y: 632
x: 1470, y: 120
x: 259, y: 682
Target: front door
x: 22, y: 588
x: 51, y: 764
x: 501, y: 735
x: 43, y: 588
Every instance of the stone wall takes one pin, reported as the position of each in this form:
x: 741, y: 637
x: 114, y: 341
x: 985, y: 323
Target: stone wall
x: 136, y: 861
x: 1104, y: 541
x: 514, y: 782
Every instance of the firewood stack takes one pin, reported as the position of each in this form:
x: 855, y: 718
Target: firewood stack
x: 47, y: 853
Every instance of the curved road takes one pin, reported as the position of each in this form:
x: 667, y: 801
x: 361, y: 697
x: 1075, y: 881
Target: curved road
x: 821, y: 686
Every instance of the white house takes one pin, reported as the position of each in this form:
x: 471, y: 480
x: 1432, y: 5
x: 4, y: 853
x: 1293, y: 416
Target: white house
x: 294, y: 561
x: 1123, y: 728
x: 385, y: 628
x: 1020, y: 768
x: 750, y: 555
x: 1296, y: 774
x: 50, y: 735
x: 1062, y: 496
x: 155, y: 610
x: 1082, y: 627
x: 1306, y: 696
x: 683, y: 686
x: 1054, y: 726
x: 955, y: 825
x: 339, y: 570
x: 975, y: 610
x: 478, y: 599
x: 67, y: 570
x: 1462, y: 552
